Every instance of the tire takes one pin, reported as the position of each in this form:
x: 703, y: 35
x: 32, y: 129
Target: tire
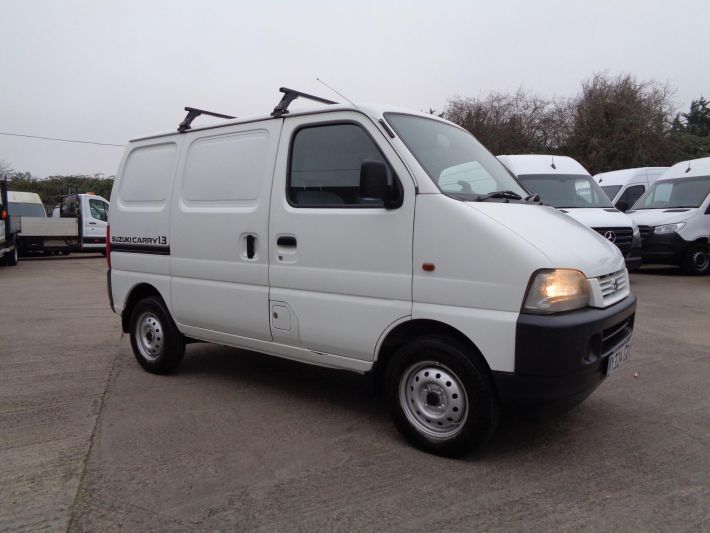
x: 11, y: 259
x: 157, y: 344
x: 697, y: 260
x: 65, y: 252
x: 441, y: 396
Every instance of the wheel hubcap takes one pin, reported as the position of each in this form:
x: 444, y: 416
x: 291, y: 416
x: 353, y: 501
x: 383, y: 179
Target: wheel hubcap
x: 433, y: 399
x: 149, y: 336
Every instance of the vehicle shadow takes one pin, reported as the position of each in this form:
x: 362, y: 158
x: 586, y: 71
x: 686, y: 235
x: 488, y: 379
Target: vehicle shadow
x: 303, y: 382
x: 659, y: 270
x: 518, y: 431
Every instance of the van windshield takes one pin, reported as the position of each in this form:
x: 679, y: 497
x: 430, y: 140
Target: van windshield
x: 459, y: 165
x: 566, y: 190
x: 679, y: 192
x: 26, y: 209
x: 611, y: 190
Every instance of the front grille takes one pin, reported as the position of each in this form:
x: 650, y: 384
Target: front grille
x: 614, y: 336
x: 645, y: 232
x: 613, y: 285
x: 622, y: 237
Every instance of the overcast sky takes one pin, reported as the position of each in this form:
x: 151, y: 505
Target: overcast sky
x: 108, y: 71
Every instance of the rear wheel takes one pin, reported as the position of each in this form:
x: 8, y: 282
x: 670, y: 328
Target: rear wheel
x: 697, y: 260
x: 12, y: 257
x: 441, y: 396
x: 157, y: 344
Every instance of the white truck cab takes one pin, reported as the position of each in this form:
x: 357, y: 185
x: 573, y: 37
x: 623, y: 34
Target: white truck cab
x: 370, y: 239
x: 77, y: 225
x: 624, y: 187
x: 566, y: 185
x: 674, y: 217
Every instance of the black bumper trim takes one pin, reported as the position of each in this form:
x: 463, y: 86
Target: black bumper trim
x: 110, y: 289
x: 560, y: 359
x: 666, y: 248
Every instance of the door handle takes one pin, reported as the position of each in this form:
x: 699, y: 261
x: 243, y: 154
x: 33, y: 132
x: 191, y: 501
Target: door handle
x: 287, y: 241
x: 92, y: 223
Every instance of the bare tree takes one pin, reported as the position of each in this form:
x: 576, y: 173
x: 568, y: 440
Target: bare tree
x: 513, y: 123
x: 621, y: 122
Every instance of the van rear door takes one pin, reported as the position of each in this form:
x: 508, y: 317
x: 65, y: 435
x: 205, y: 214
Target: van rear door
x: 340, y: 265
x: 219, y: 230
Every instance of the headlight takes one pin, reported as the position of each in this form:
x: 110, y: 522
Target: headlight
x: 552, y: 291
x: 669, y: 228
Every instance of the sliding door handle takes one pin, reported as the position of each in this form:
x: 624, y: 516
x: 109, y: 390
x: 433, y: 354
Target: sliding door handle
x: 286, y: 241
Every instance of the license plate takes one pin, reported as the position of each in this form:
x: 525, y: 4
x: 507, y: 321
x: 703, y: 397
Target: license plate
x: 618, y: 358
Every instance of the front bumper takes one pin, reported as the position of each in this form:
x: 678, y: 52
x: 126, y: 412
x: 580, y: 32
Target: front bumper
x: 664, y: 248
x: 560, y: 359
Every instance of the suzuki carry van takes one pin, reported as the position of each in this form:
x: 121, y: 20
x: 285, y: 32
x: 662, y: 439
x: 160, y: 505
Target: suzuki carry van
x: 674, y: 217
x: 563, y: 183
x: 370, y: 239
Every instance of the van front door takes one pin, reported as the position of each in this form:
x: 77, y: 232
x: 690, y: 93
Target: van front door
x: 94, y: 213
x: 340, y: 264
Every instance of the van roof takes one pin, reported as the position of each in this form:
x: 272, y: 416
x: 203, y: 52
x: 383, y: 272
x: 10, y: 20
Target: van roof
x: 688, y: 169
x: 24, y: 197
x: 542, y: 164
x: 373, y: 111
x: 623, y: 176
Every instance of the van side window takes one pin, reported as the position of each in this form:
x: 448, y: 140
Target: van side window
x: 324, y: 170
x: 629, y: 196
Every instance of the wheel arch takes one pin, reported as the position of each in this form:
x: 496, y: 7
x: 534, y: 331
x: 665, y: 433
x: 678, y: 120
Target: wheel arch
x: 135, y: 295
x: 404, y: 332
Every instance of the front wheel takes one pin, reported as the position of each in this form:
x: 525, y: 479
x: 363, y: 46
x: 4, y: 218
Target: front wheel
x: 441, y: 396
x: 12, y: 257
x: 157, y: 343
x: 697, y: 260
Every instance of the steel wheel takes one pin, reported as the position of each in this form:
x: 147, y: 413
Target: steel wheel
x: 149, y: 336
x: 433, y: 399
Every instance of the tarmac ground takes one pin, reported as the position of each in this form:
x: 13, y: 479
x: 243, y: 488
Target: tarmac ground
x: 238, y: 441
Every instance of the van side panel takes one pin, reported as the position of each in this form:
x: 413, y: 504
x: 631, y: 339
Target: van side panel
x: 219, y: 228
x: 140, y: 219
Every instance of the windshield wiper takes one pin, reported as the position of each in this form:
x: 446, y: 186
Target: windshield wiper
x: 533, y: 199
x: 499, y: 194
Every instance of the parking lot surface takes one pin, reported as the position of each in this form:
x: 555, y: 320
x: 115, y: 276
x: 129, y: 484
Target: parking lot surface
x: 239, y: 441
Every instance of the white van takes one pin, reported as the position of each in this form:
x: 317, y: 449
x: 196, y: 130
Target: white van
x: 25, y: 204
x: 326, y: 236
x: 674, y: 217
x: 624, y: 187
x: 566, y: 185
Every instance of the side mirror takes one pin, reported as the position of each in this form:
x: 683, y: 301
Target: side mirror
x: 374, y: 186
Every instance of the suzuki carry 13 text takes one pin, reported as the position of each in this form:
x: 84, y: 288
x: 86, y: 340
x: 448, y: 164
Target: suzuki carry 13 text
x: 369, y: 239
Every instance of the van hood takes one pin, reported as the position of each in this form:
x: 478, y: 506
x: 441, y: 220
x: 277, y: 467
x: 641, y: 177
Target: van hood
x: 656, y: 217
x: 598, y: 217
x: 563, y: 240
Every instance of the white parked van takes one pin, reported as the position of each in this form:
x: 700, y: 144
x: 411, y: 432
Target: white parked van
x: 624, y: 187
x: 25, y: 204
x: 339, y: 237
x: 674, y: 217
x: 566, y: 185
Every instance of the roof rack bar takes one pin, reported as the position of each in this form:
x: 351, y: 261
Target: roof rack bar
x: 193, y: 113
x: 290, y: 95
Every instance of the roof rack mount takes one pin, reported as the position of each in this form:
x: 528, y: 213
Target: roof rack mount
x: 193, y: 113
x: 290, y: 95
